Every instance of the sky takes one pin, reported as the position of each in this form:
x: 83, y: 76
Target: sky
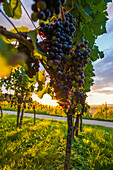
x: 102, y: 90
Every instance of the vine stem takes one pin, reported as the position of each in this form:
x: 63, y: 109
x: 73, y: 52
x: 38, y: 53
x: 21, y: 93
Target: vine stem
x: 9, y: 21
x: 16, y: 36
x: 27, y: 14
x: 62, y: 14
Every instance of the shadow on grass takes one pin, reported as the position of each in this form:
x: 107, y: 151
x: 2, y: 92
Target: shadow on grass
x: 17, y: 146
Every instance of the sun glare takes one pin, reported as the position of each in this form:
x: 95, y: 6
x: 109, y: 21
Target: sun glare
x: 46, y: 100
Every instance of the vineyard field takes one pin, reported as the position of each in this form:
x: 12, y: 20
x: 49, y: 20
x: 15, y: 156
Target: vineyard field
x: 42, y: 146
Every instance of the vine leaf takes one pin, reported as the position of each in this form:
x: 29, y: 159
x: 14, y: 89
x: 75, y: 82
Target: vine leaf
x: 87, y: 11
x: 50, y: 90
x: 94, y: 53
x: 40, y: 77
x: 98, y: 23
x: 85, y: 15
x: 42, y: 89
x: 13, y: 9
x: 6, y: 50
x: 101, y: 54
x: 33, y: 36
x: 88, y: 77
x: 106, y: 1
x: 7, y: 8
x: 41, y: 92
x: 16, y: 6
x: 20, y: 29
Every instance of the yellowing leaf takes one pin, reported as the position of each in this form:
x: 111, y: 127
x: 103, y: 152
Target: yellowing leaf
x: 5, y: 69
x: 33, y: 36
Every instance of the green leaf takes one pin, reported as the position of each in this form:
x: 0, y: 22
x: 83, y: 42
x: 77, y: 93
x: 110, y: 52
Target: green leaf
x: 86, y: 17
x: 96, y: 2
x: 101, y: 54
x: 87, y: 11
x: 88, y: 35
x: 33, y: 36
x: 106, y: 1
x: 7, y: 9
x: 88, y: 76
x: 94, y: 53
x: 99, y: 7
x: 6, y: 50
x: 98, y: 23
x: 13, y: 9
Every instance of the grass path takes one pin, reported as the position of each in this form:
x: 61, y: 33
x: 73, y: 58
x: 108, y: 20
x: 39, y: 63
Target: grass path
x: 85, y: 121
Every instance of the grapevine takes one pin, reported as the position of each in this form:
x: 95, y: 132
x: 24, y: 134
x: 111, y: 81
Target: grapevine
x: 64, y: 60
x: 32, y: 62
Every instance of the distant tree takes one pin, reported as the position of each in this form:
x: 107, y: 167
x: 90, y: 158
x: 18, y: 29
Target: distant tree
x: 19, y: 82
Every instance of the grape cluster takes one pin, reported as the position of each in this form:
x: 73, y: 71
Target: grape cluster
x: 58, y: 42
x: 65, y: 62
x: 72, y: 74
x: 79, y: 97
x: 79, y: 60
x: 32, y: 63
x: 42, y: 9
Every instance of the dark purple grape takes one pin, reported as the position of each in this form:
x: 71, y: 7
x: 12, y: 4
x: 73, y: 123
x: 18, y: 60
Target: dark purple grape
x: 41, y: 15
x: 86, y: 42
x: 34, y: 8
x: 47, y: 13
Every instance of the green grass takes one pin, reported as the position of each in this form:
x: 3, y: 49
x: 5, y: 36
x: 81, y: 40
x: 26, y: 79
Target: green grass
x: 43, y: 113
x: 43, y: 146
x: 47, y: 113
x: 9, y: 109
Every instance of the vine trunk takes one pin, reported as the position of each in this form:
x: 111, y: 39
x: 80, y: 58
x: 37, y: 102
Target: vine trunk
x: 69, y: 140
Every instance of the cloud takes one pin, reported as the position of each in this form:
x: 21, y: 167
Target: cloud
x: 104, y: 67
x: 110, y: 10
x: 104, y: 73
x: 107, y: 92
x: 109, y: 26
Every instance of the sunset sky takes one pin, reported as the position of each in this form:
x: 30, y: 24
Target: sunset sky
x: 102, y: 90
